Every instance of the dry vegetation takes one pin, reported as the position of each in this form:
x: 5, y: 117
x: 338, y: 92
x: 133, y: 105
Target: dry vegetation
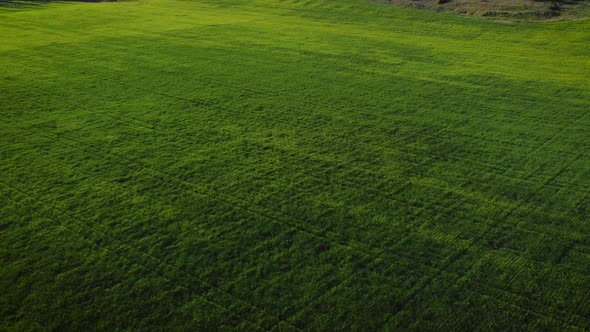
x: 505, y: 9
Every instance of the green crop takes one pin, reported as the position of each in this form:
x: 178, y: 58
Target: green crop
x: 315, y: 165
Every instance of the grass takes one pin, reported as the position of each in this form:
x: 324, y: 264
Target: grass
x: 287, y: 165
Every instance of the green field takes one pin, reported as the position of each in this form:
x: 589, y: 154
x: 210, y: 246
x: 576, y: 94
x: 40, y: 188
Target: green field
x: 278, y: 164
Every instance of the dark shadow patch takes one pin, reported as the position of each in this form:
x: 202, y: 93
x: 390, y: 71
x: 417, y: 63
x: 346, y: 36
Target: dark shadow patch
x: 30, y: 4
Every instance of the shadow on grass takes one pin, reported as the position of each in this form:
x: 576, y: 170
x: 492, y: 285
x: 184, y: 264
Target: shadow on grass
x: 38, y: 3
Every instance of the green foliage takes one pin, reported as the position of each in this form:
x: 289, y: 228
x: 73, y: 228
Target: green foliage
x: 194, y: 165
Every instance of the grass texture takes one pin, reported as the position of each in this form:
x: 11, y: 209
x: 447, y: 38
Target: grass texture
x: 291, y: 165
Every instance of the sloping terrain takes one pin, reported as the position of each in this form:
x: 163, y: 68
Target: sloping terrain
x: 257, y: 165
x: 502, y: 10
